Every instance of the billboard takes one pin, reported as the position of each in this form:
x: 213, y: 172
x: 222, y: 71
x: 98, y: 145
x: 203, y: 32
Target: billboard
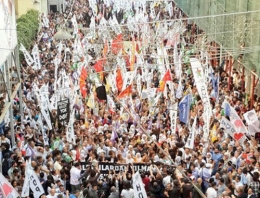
x: 8, y: 36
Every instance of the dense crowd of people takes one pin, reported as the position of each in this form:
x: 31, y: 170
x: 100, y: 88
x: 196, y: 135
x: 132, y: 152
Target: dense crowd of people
x: 105, y: 133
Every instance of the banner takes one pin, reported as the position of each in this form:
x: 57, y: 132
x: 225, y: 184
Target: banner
x: 201, y: 85
x: 35, y: 184
x: 105, y: 167
x: 138, y: 186
x: 190, y: 141
x: 200, y: 81
x: 36, y: 57
x: 173, y: 117
x: 6, y: 189
x: 27, y: 56
x: 63, y: 108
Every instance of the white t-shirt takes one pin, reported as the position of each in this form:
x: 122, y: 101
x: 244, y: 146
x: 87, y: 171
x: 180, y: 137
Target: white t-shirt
x: 127, y: 193
x: 211, y: 193
x: 74, y: 176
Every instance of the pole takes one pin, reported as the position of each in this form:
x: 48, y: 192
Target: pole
x: 20, y: 93
x: 243, y: 78
x: 252, y: 91
x: 230, y: 71
x: 9, y: 91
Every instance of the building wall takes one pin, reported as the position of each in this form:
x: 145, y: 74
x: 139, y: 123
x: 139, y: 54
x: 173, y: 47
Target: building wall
x: 22, y: 6
x: 232, y: 30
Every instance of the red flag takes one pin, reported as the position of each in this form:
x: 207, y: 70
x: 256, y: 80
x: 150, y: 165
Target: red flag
x: 125, y: 92
x: 82, y: 83
x: 117, y: 44
x: 167, y: 77
x: 119, y: 80
x: 99, y: 66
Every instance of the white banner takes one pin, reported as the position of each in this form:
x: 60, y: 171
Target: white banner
x: 190, y: 141
x: 173, y: 117
x: 36, y: 57
x: 26, y: 183
x: 138, y: 186
x: 35, y: 184
x: 27, y: 56
x: 201, y: 85
x: 70, y: 135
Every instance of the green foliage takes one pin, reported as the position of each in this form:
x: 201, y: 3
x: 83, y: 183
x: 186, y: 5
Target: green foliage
x: 27, y: 28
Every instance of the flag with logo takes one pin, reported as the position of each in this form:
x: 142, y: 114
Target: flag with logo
x: 236, y: 121
x: 6, y: 189
x: 184, y: 109
x: 166, y: 77
x: 231, y: 130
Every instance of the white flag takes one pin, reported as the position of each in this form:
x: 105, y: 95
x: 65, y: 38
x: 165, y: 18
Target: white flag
x: 128, y: 79
x: 75, y: 25
x: 26, y: 184
x: 190, y: 141
x: 27, y: 56
x: 6, y: 188
x: 45, y: 112
x: 138, y: 186
x: 35, y: 184
x: 36, y: 57
x: 70, y: 135
x: 251, y: 117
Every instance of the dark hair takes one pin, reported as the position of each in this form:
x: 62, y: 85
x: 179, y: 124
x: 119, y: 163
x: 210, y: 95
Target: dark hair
x: 127, y: 185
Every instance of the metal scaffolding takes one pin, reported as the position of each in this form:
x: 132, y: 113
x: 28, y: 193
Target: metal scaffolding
x: 10, y: 85
x: 233, y: 24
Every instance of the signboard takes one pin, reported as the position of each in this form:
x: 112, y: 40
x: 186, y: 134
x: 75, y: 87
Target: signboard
x: 63, y: 111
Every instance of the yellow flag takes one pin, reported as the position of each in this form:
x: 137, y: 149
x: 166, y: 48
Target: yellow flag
x: 91, y: 101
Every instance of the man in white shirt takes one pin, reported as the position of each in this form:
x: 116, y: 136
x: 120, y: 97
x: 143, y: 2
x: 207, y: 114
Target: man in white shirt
x: 237, y: 184
x: 211, y: 191
x: 74, y: 177
x: 52, y: 194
